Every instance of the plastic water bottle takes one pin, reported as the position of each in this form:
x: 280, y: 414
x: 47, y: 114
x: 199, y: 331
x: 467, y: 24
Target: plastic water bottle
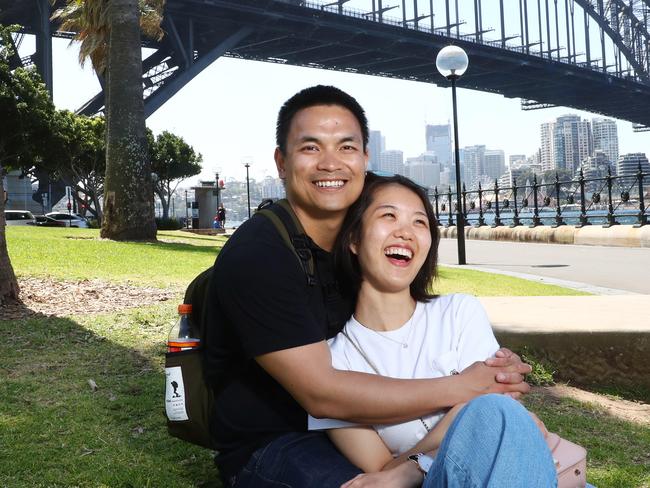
x: 183, y: 335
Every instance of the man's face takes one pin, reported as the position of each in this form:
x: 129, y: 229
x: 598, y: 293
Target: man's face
x: 325, y: 162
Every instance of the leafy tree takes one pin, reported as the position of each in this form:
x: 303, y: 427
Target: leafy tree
x: 78, y: 157
x: 172, y: 160
x: 109, y: 32
x: 25, y: 130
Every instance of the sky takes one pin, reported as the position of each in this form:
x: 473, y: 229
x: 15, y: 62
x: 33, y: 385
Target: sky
x: 228, y: 112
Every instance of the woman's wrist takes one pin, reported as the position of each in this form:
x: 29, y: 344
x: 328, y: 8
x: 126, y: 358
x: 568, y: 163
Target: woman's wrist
x: 411, y: 473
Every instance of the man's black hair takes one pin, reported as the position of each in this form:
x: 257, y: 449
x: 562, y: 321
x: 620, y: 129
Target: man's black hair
x: 347, y: 263
x: 311, y: 97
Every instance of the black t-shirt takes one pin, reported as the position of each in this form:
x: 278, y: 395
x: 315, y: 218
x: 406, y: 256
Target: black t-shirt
x: 258, y: 302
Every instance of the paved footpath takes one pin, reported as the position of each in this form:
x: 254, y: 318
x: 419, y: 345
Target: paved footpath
x: 596, y: 269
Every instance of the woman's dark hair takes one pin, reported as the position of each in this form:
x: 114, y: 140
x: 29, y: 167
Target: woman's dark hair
x: 311, y: 97
x: 347, y: 263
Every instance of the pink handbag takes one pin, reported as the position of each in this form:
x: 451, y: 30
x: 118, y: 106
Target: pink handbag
x: 570, y: 461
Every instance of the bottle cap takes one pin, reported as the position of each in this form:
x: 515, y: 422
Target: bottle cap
x: 184, y: 308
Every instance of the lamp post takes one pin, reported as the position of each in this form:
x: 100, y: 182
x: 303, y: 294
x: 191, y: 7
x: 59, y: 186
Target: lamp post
x: 248, y: 190
x: 452, y: 62
x: 187, y: 217
x: 216, y: 185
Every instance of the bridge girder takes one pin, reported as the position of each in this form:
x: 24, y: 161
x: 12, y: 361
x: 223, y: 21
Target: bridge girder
x: 198, y: 31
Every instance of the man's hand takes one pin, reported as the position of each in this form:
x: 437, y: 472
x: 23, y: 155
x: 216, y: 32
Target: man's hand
x: 482, y: 379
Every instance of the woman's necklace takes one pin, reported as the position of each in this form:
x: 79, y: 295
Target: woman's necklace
x: 404, y: 345
x: 372, y: 365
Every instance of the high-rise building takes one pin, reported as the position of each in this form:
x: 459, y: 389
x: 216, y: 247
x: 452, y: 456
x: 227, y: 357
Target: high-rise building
x: 473, y: 161
x: 424, y: 170
x: 438, y: 139
x: 628, y: 165
x: 376, y: 145
x: 565, y: 143
x: 392, y: 161
x: 605, y: 137
x: 547, y: 150
x: 494, y: 163
x: 516, y: 160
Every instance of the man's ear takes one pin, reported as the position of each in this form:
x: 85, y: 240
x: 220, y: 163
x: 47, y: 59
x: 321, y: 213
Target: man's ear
x: 279, y: 163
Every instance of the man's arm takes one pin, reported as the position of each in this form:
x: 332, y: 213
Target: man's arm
x: 306, y: 372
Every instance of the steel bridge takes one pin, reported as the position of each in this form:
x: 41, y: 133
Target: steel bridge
x: 591, y: 55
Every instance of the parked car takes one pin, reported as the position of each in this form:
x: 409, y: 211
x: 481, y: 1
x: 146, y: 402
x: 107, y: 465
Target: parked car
x: 45, y: 221
x: 19, y: 217
x: 70, y: 220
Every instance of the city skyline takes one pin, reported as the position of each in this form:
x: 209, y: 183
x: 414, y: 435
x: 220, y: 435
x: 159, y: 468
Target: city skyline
x: 220, y: 126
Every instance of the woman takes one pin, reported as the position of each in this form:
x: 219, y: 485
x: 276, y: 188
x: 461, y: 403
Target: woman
x: 387, y: 250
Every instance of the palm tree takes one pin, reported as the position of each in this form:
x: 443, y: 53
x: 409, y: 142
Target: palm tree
x: 109, y: 32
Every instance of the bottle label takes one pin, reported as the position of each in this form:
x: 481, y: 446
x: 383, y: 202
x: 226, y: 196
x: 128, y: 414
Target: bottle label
x: 175, y: 394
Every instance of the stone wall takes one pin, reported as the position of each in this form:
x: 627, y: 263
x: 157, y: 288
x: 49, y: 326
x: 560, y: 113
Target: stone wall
x: 591, y: 235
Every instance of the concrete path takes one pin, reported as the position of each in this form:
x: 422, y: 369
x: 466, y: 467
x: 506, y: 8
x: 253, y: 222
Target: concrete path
x: 613, y: 268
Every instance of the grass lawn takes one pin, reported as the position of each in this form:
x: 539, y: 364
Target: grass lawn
x: 179, y: 256
x: 55, y: 431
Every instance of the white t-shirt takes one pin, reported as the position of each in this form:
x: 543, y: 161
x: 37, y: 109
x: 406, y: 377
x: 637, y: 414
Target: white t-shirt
x: 443, y: 337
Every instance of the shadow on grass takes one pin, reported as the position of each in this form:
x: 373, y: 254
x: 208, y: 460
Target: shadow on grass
x: 617, y: 453
x: 180, y: 246
x: 58, y: 430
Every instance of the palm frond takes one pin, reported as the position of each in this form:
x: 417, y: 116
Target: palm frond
x: 89, y: 20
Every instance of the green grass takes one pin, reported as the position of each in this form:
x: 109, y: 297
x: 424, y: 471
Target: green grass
x: 179, y: 256
x: 617, y: 451
x: 80, y: 253
x: 56, y: 432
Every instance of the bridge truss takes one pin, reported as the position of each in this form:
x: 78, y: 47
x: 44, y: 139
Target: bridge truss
x: 592, y: 55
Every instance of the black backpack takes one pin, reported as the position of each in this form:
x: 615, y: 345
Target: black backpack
x: 188, y: 399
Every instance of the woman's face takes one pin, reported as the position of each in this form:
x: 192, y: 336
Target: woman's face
x: 395, y: 239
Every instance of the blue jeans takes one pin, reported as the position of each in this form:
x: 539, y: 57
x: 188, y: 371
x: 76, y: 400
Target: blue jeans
x: 297, y: 460
x: 493, y: 442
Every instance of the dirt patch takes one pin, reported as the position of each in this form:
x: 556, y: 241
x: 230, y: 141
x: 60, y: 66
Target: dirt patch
x: 45, y: 296
x: 623, y: 409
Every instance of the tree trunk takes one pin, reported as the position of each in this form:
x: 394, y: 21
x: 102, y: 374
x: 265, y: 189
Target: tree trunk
x: 128, y: 191
x: 8, y: 282
x: 163, y: 203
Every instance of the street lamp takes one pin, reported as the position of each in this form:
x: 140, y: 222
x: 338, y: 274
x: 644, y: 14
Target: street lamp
x: 452, y: 62
x: 248, y: 190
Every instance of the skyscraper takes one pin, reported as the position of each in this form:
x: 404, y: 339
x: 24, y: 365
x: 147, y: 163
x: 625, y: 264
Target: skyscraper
x: 494, y: 164
x: 424, y: 170
x: 474, y: 163
x: 606, y: 137
x: 376, y: 143
x: 438, y: 139
x: 392, y: 161
x: 565, y: 143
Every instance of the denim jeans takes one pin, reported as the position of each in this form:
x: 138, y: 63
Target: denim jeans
x: 493, y: 442
x: 296, y: 460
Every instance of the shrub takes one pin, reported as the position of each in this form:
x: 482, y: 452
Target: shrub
x: 167, y: 224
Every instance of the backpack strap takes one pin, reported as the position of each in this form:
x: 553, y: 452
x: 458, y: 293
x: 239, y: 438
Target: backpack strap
x: 293, y: 234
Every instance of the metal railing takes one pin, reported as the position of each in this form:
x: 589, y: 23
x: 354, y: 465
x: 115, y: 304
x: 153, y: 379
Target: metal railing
x: 607, y: 200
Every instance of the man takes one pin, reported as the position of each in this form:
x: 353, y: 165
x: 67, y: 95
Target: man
x: 221, y: 216
x: 266, y: 328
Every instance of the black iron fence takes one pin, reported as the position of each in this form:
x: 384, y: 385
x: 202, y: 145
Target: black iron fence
x: 607, y: 200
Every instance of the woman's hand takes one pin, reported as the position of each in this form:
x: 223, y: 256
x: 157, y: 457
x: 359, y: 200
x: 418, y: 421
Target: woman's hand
x: 406, y: 475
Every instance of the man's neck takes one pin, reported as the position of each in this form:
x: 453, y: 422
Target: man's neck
x: 322, y: 228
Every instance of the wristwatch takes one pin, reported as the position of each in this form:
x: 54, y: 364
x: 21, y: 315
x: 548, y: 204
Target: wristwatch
x: 422, y: 461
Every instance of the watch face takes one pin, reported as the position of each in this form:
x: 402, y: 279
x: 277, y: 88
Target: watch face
x: 425, y: 462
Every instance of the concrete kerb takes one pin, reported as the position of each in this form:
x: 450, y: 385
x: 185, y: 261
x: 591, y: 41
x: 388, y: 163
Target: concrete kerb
x: 591, y: 235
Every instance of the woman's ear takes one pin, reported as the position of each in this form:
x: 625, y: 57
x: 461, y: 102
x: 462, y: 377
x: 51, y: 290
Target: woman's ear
x: 353, y: 248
